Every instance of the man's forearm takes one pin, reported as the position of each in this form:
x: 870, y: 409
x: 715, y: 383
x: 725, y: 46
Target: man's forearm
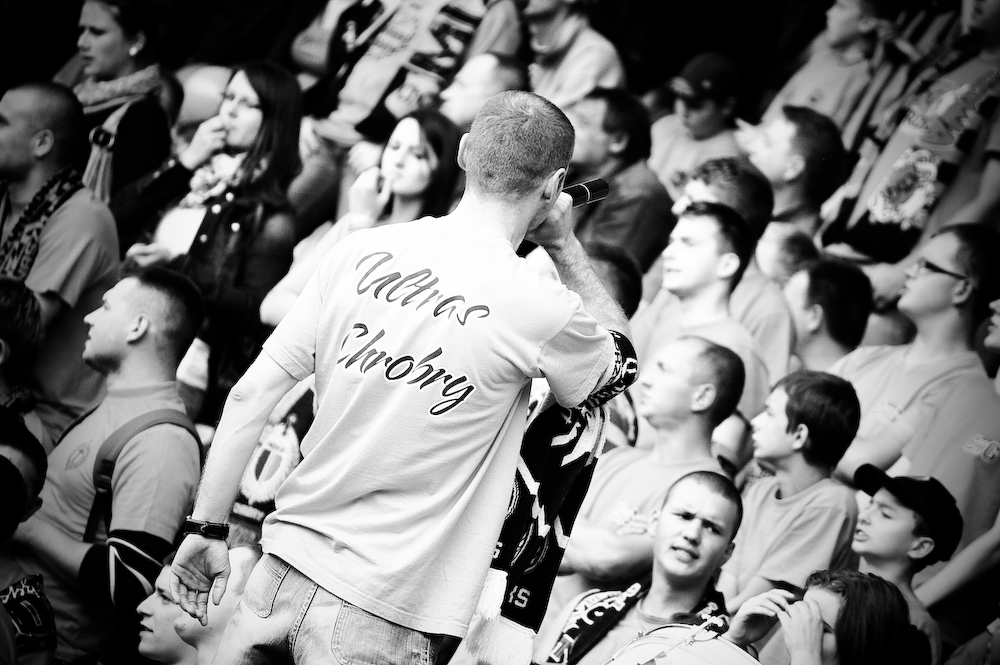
x: 575, y: 271
x: 60, y: 552
x: 249, y: 404
x: 980, y: 555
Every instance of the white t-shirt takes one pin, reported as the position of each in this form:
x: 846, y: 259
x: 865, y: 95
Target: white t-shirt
x: 423, y: 338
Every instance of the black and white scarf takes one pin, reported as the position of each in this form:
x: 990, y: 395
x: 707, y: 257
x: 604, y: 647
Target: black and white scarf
x: 21, y: 247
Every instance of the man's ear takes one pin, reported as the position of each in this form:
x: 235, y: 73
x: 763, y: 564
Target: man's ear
x: 43, y: 142
x: 729, y: 552
x: 618, y: 144
x: 461, y: 151
x: 814, y: 317
x: 921, y: 547
x: 801, y: 434
x: 796, y: 165
x: 703, y: 397
x: 138, y: 329
x: 962, y: 293
x: 554, y: 185
x: 729, y: 263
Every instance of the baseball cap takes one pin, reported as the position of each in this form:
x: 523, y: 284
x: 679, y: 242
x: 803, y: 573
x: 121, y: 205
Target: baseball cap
x: 708, y: 75
x: 923, y: 495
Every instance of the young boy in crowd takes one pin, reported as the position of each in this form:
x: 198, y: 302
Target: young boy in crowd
x: 799, y: 520
x: 909, y: 524
x: 701, y: 126
x: 839, y: 67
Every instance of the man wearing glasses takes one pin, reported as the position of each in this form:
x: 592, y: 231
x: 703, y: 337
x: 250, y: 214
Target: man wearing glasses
x: 946, y: 295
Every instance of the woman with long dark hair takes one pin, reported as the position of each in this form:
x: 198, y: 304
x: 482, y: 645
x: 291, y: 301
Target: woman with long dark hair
x: 844, y: 618
x: 415, y: 178
x: 219, y: 213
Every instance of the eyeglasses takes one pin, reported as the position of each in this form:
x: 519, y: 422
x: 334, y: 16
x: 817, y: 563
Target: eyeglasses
x: 241, y: 102
x: 925, y: 266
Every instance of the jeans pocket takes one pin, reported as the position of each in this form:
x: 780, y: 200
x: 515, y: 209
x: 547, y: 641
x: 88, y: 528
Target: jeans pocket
x: 361, y: 638
x: 262, y: 585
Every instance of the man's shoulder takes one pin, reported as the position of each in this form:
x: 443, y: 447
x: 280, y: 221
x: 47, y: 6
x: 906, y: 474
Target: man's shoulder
x: 828, y: 495
x: 83, y: 219
x: 871, y: 358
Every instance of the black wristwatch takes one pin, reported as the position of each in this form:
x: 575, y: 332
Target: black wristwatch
x: 214, y: 530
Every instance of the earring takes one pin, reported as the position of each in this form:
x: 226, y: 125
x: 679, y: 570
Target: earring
x: 134, y: 51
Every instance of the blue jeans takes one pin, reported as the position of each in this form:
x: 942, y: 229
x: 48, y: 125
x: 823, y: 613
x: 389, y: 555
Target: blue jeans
x: 284, y: 617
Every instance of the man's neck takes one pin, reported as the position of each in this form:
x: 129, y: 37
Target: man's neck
x: 22, y: 190
x: 508, y: 220
x: 794, y: 475
x: 939, y: 337
x: 790, y: 203
x: 207, y: 650
x: 683, y: 441
x: 140, y: 370
x: 820, y: 352
x: 709, y: 305
x: 897, y: 572
x: 664, y: 600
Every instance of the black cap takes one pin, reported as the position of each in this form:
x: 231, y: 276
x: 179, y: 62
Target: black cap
x: 709, y: 75
x: 925, y: 496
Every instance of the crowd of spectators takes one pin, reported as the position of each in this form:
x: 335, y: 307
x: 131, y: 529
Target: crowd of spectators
x: 803, y: 227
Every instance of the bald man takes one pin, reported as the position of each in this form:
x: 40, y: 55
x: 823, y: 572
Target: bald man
x: 56, y: 238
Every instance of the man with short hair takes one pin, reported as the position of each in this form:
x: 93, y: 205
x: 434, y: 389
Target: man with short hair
x: 56, y: 238
x: 947, y: 295
x: 481, y: 77
x: 691, y: 387
x: 612, y: 142
x: 698, y: 521
x: 798, y: 520
x: 706, y: 94
x: 99, y: 553
x: 206, y: 638
x: 830, y: 301
x: 911, y: 523
x: 709, y: 249
x: 801, y: 154
x: 756, y: 300
x: 158, y: 613
x: 423, y: 338
x: 571, y: 58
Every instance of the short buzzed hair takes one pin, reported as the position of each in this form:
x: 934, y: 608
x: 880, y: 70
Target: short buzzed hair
x: 717, y: 483
x: 817, y: 140
x: 183, y: 311
x: 57, y: 110
x: 516, y: 141
x: 741, y: 186
x: 722, y: 368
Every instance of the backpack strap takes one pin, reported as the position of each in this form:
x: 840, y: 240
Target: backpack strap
x: 107, y: 455
x: 97, y: 175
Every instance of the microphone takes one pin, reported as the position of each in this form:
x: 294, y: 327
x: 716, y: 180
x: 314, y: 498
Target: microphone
x: 590, y: 191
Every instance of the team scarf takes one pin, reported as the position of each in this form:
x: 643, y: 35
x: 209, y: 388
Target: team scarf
x: 558, y: 456
x: 18, y: 253
x: 596, y: 613
x: 99, y: 95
